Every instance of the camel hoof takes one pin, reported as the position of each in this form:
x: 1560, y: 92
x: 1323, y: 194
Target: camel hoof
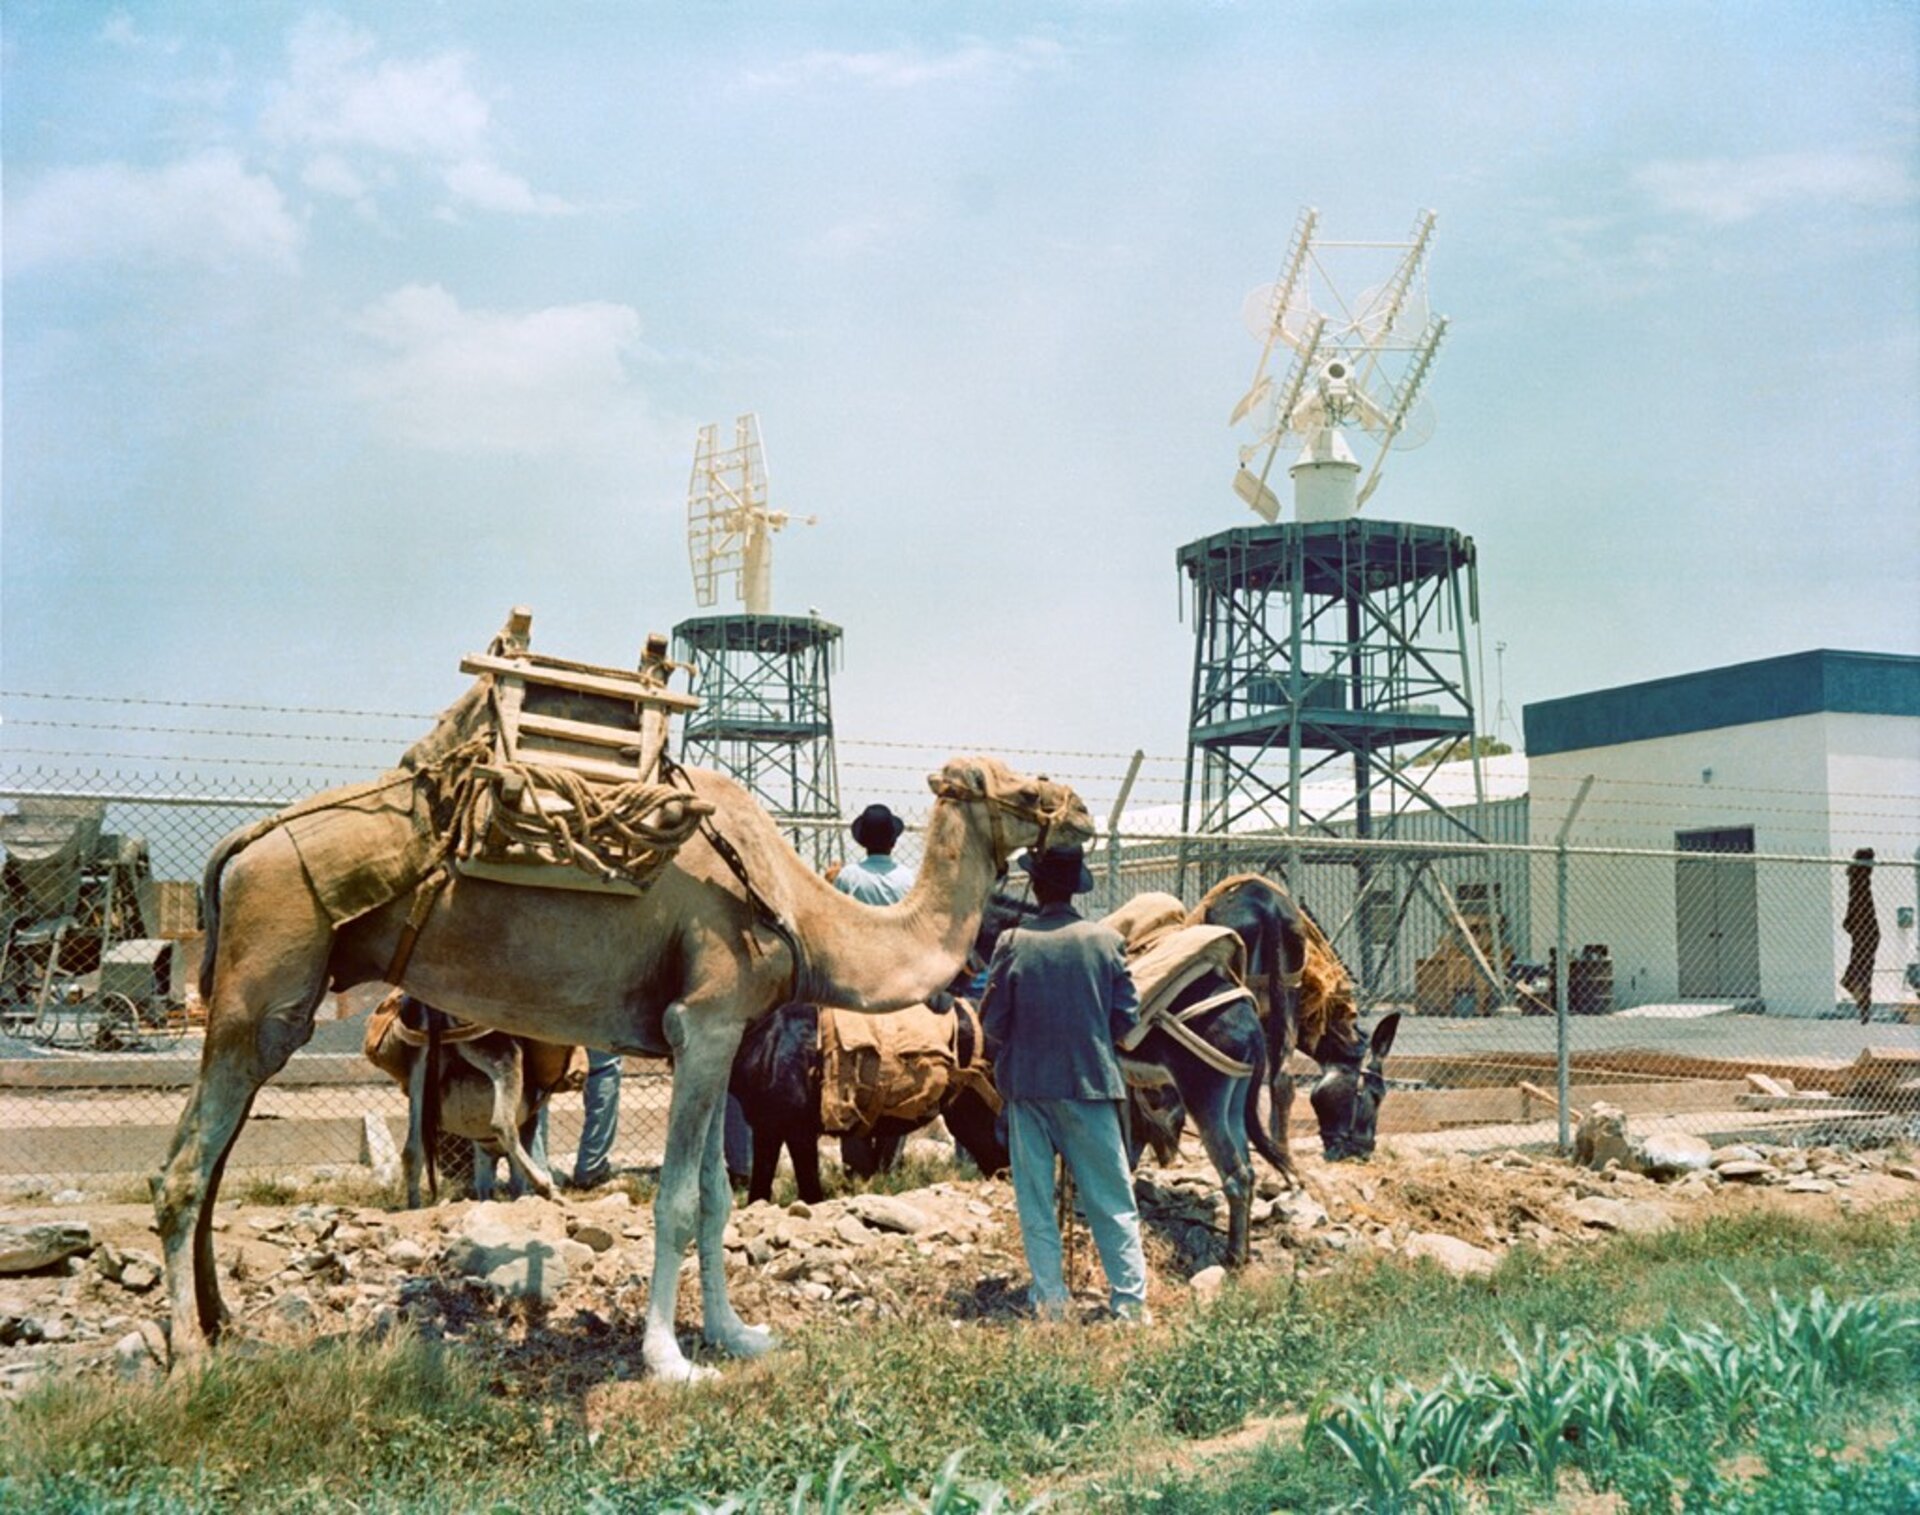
x: 745, y: 1341
x: 681, y: 1371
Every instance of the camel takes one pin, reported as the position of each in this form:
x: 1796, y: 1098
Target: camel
x: 678, y: 971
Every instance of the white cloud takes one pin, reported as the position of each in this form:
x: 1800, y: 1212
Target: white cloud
x: 487, y: 186
x: 1727, y: 190
x: 207, y: 209
x: 477, y: 381
x: 909, y: 68
x: 340, y: 98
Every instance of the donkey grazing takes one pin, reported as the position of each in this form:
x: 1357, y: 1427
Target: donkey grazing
x: 1307, y: 1003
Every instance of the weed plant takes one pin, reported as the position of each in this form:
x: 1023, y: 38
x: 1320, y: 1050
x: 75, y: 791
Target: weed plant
x: 1095, y: 1416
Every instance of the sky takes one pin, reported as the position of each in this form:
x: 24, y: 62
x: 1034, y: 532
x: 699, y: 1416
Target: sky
x: 330, y: 333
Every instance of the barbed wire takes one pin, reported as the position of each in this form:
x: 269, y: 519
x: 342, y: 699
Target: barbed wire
x: 1538, y: 785
x: 119, y: 699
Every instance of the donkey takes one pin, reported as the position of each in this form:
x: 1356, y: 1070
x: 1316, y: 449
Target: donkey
x: 464, y: 1080
x: 1307, y: 1003
x: 777, y: 1079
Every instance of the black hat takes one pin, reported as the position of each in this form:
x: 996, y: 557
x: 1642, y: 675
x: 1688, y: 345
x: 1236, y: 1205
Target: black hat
x: 1058, y: 867
x: 877, y: 828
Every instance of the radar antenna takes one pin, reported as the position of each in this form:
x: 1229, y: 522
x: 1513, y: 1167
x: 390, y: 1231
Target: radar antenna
x: 1359, y: 365
x: 729, y: 525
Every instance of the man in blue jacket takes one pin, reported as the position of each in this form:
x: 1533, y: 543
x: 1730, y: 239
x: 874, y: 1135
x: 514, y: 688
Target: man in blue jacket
x: 1058, y: 997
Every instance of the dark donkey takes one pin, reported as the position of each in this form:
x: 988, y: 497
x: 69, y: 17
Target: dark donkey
x: 777, y: 1079
x: 1307, y: 1002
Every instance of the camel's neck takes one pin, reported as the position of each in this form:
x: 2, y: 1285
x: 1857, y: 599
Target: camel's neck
x: 863, y: 958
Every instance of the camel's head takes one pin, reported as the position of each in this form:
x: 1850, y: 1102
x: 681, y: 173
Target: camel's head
x: 1025, y: 812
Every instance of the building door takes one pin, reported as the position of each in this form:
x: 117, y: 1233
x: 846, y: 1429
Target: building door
x: 1716, y: 915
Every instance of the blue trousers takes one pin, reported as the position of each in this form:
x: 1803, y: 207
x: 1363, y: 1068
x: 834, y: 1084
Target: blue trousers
x: 601, y: 1120
x: 1088, y: 1134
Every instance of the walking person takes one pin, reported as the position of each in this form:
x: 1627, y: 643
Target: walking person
x: 878, y: 878
x: 1058, y: 998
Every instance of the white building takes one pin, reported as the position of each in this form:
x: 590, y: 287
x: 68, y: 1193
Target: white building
x: 1751, y: 771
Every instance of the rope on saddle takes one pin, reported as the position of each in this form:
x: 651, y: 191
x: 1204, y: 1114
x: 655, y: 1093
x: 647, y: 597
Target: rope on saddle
x: 616, y: 832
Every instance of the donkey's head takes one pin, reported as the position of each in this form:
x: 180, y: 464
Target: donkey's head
x: 1347, y: 1098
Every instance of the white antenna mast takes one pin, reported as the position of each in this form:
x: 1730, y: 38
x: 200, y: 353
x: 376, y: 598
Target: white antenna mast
x: 1358, y: 364
x: 729, y: 527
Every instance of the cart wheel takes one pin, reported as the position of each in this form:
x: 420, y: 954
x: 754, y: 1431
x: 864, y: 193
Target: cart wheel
x: 49, y: 1021
x: 116, y: 1024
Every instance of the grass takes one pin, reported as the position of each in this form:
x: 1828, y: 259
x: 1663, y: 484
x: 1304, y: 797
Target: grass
x: 1097, y: 1417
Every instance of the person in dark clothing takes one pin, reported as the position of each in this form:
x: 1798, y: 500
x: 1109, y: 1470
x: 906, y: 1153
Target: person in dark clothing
x: 1863, y: 927
x: 1058, y: 998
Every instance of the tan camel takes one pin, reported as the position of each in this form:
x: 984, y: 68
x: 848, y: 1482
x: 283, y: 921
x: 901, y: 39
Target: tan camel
x: 679, y: 971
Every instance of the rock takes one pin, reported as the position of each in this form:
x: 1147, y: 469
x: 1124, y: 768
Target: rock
x: 1808, y: 1185
x: 852, y: 1230
x: 800, y: 1210
x: 140, y: 1274
x: 1460, y: 1258
x: 885, y: 1212
x: 1602, y: 1137
x: 1633, y: 1217
x: 598, y: 1238
x: 1904, y: 1170
x: 1670, y: 1154
x: 1739, y: 1152
x: 517, y: 1263
x: 29, y: 1248
x: 132, y: 1359
x: 405, y: 1252
x: 294, y: 1308
x: 1746, y: 1171
x: 1207, y: 1283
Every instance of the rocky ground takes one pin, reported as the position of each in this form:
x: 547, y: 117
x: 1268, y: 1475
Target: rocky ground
x: 555, y: 1290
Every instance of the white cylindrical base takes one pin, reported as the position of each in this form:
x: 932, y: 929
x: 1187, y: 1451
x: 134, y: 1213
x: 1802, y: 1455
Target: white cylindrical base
x: 1326, y: 490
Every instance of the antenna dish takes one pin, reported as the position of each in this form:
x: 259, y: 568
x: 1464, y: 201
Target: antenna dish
x: 1358, y: 366
x: 729, y: 525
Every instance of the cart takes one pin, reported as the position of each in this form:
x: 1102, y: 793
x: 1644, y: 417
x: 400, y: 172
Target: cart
x: 76, y: 969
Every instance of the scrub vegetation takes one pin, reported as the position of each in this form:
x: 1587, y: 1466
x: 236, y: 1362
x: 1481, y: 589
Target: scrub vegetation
x: 1734, y: 1359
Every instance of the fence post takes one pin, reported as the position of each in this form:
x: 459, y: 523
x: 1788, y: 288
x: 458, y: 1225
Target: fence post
x: 1113, y: 828
x: 1562, y: 1056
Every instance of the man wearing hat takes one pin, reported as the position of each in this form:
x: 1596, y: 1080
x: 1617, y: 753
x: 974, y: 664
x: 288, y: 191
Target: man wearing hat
x: 1058, y: 998
x: 877, y: 879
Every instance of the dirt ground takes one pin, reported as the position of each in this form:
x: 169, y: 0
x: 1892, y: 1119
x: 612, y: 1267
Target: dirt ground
x: 568, y: 1322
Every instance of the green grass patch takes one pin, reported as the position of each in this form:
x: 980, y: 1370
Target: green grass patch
x: 1094, y: 1416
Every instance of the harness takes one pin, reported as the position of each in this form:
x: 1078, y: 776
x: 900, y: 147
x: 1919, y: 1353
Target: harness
x: 1175, y: 1024
x: 1045, y: 819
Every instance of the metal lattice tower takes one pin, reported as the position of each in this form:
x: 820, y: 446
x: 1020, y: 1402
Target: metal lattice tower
x: 766, y: 717
x: 1330, y: 658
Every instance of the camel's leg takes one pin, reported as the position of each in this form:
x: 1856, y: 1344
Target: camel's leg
x: 723, y: 1326
x: 269, y: 978
x: 501, y: 1059
x: 703, y: 1044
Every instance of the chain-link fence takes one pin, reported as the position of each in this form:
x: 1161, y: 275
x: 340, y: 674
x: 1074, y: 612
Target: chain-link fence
x: 1698, y: 986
